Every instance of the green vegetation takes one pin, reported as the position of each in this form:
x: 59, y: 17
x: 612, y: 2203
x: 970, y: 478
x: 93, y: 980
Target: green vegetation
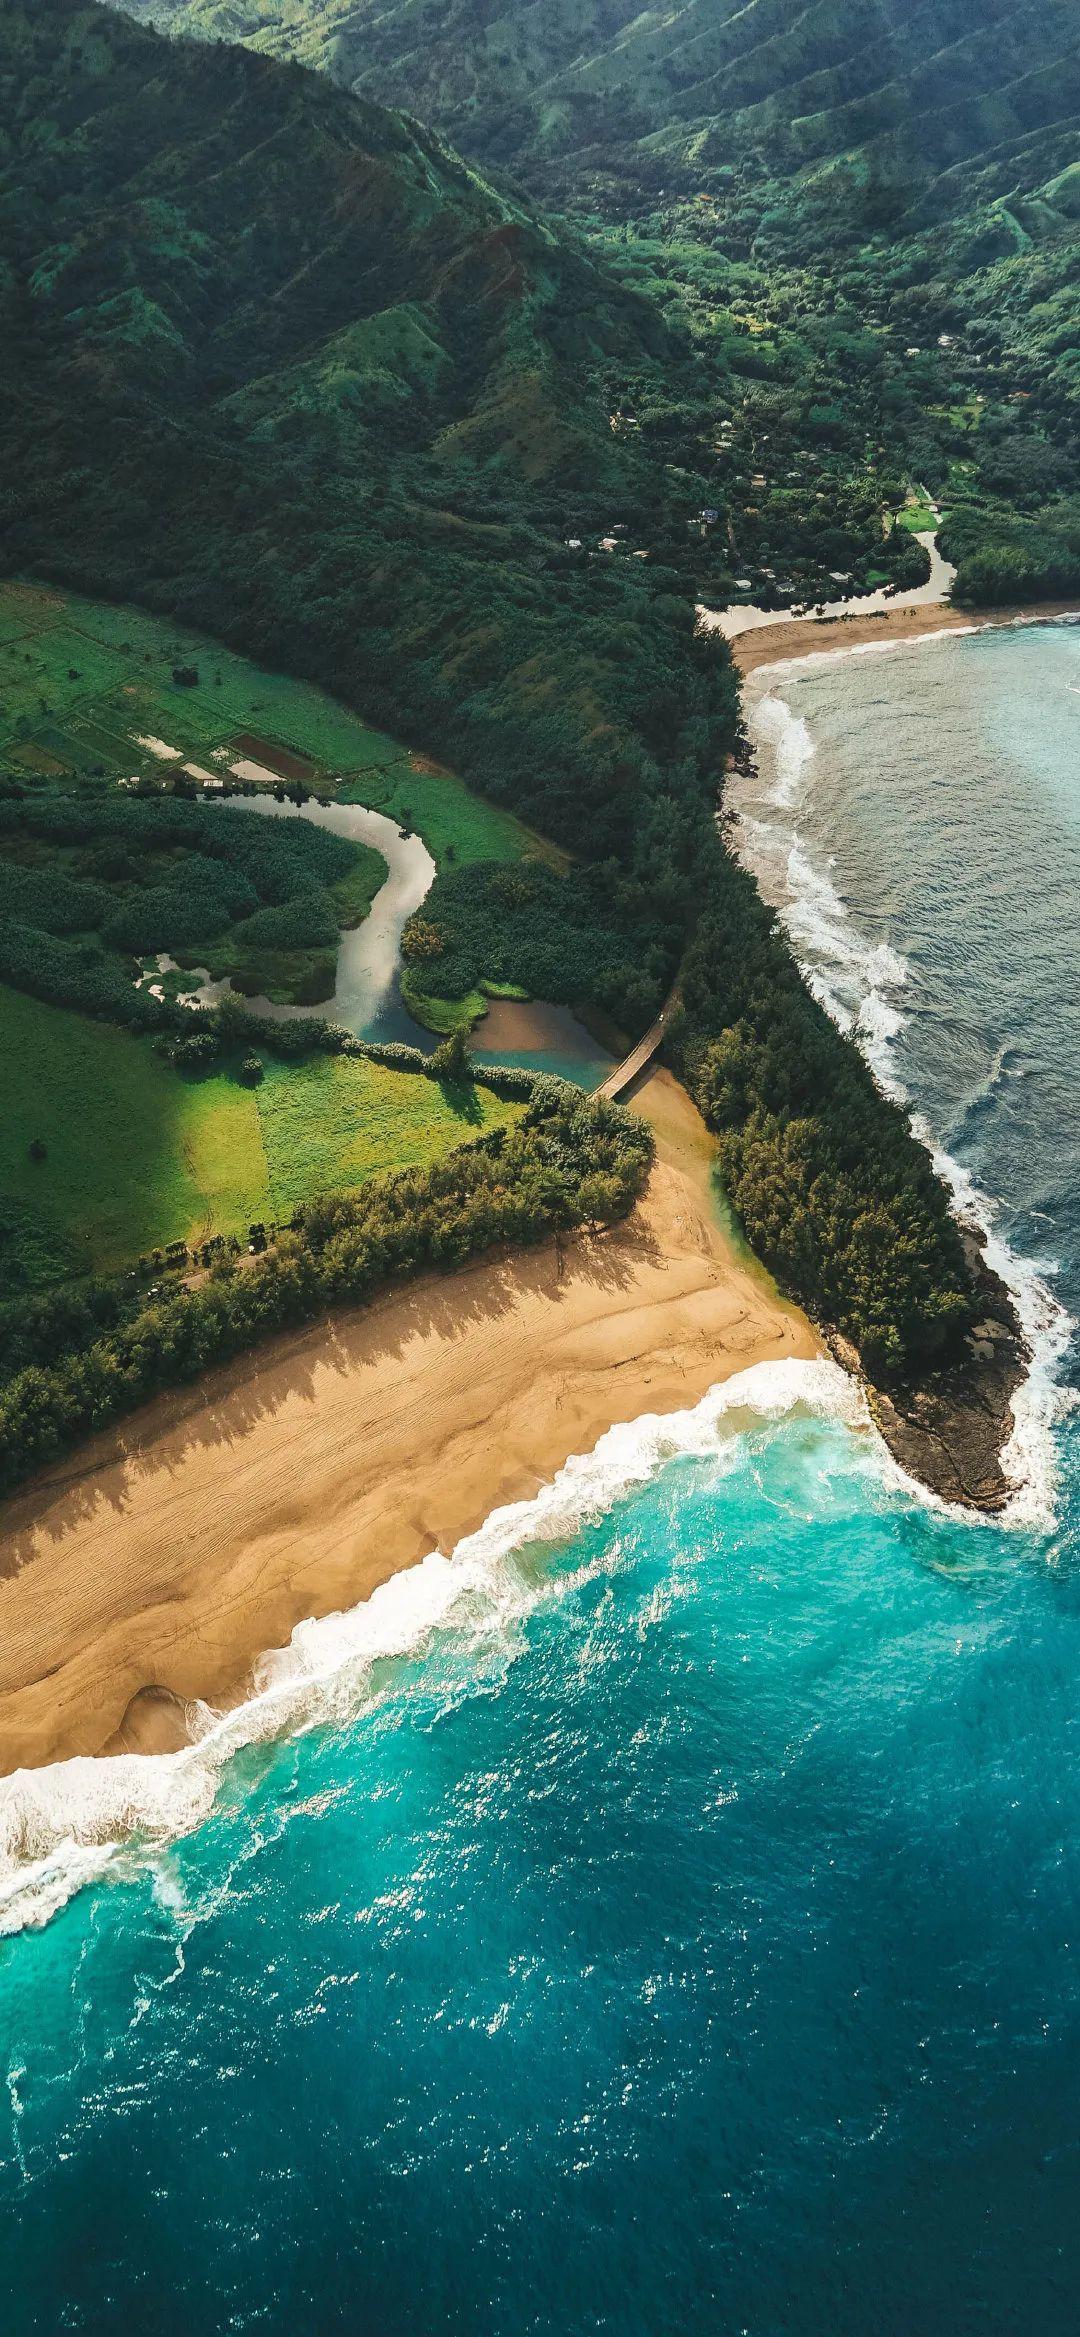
x: 823, y: 1173
x: 280, y: 364
x: 331, y: 1124
x: 399, y: 536
x: 874, y: 210
x: 77, y: 1362
x: 108, y: 1151
x: 526, y: 932
x: 92, y: 880
x: 457, y: 826
x: 918, y: 516
x: 135, y: 1156
x: 84, y: 685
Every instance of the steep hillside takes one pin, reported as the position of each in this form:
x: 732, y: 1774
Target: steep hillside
x: 867, y: 102
x: 280, y: 362
x: 864, y: 215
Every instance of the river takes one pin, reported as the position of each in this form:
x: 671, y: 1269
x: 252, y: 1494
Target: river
x: 367, y: 992
x: 675, y: 1928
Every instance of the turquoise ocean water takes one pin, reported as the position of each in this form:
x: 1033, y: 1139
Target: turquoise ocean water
x: 666, y: 1916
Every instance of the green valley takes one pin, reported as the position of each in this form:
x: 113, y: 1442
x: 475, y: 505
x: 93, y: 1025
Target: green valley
x: 309, y: 389
x: 883, y: 198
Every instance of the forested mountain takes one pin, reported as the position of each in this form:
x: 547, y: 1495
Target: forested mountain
x: 279, y: 361
x: 869, y: 104
x: 885, y: 195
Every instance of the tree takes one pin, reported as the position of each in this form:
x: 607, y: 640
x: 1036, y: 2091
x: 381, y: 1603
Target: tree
x: 452, y: 1060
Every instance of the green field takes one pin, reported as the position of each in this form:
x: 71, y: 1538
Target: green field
x: 84, y: 685
x: 334, y: 1121
x: 137, y: 1155
x: 917, y: 518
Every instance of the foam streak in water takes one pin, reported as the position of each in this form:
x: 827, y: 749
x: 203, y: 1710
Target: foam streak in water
x: 62, y: 1826
x: 861, y: 983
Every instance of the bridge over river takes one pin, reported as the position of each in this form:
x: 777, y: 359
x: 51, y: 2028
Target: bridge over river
x: 626, y: 1072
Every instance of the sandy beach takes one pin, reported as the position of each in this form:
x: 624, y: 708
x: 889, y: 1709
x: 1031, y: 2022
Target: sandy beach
x: 159, y: 1562
x: 810, y: 636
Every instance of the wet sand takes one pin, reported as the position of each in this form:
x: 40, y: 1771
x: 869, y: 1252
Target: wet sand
x: 811, y: 636
x: 157, y: 1564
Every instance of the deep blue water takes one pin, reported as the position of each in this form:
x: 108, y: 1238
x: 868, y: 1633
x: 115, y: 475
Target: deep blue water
x: 684, y: 1935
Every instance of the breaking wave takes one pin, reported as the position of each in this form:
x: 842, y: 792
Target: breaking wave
x: 62, y: 1826
x: 862, y: 984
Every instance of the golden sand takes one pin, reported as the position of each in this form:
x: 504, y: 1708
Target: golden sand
x: 160, y: 1561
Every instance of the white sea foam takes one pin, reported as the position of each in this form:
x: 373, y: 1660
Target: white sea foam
x: 780, y: 667
x: 792, y: 748
x: 860, y: 983
x: 63, y: 1826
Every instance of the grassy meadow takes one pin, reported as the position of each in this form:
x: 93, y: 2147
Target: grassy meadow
x: 84, y: 686
x: 137, y: 1155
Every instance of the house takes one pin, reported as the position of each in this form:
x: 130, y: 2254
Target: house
x: 709, y: 516
x: 573, y: 543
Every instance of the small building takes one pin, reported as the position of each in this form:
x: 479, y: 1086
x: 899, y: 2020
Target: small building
x: 709, y: 516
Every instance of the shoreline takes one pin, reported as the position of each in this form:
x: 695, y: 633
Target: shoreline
x: 788, y: 644
x: 159, y: 1565
x: 956, y: 1431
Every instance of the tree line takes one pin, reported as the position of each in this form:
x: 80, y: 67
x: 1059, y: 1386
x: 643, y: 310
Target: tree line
x: 76, y: 1362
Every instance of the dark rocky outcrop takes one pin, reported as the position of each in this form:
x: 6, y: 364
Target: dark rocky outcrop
x: 949, y: 1431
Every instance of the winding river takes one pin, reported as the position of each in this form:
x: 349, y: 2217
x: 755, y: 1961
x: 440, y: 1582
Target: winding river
x: 367, y: 995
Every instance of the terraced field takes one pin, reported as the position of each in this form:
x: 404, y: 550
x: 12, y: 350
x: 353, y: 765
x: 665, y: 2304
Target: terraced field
x: 88, y: 690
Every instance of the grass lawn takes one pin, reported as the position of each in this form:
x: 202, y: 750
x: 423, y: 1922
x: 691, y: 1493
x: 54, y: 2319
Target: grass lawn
x: 454, y: 824
x: 137, y: 1155
x: 916, y: 519
x: 337, y: 1121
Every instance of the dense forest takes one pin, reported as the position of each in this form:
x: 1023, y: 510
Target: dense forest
x: 90, y: 881
x: 284, y: 366
x: 882, y: 201
x: 74, y: 1362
